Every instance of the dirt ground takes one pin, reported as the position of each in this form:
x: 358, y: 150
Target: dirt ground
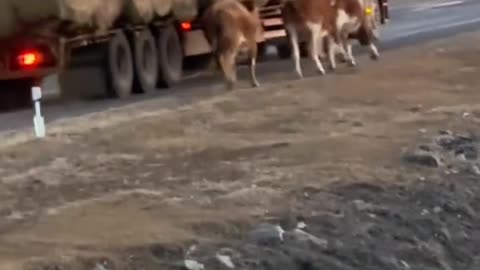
x: 135, y: 190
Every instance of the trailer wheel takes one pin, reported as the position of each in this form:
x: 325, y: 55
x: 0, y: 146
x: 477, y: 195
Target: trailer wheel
x: 197, y: 62
x: 261, y: 51
x: 284, y: 51
x: 145, y: 62
x: 119, y: 67
x: 15, y: 94
x: 170, y: 57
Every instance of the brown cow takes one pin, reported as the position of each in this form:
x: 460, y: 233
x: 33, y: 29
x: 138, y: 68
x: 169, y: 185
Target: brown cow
x: 335, y: 20
x: 364, y: 30
x: 231, y: 27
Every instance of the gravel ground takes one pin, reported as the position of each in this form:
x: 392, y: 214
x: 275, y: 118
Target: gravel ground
x: 380, y: 163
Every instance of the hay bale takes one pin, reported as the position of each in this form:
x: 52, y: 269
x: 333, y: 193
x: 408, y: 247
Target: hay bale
x: 162, y: 7
x: 184, y: 10
x: 204, y: 4
x: 139, y: 11
x: 261, y: 3
x: 106, y: 13
x: 79, y: 12
x: 31, y: 11
x: 8, y: 21
x: 99, y: 14
x: 96, y: 13
x: 144, y: 11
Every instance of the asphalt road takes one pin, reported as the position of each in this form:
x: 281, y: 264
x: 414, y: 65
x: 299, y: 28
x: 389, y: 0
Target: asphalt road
x: 412, y: 22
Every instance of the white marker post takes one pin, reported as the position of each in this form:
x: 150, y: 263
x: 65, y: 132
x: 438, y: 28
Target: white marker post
x: 38, y: 121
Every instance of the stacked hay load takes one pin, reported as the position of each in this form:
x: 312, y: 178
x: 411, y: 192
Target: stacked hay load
x: 144, y: 11
x: 98, y: 15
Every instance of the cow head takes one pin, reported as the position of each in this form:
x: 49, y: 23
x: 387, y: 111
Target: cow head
x: 370, y: 9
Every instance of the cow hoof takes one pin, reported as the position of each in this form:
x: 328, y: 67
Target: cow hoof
x: 343, y: 59
x: 375, y: 57
x: 229, y: 86
x: 255, y: 85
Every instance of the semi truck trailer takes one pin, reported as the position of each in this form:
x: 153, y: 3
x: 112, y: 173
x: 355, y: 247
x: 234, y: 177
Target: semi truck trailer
x: 128, y: 58
x: 131, y: 58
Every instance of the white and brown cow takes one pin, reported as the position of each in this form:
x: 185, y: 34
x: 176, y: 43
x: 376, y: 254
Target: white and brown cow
x: 362, y: 28
x: 231, y: 27
x: 337, y: 21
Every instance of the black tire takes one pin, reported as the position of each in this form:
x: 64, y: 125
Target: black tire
x: 170, y: 57
x: 15, y: 94
x: 303, y: 49
x: 197, y: 62
x: 383, y: 11
x: 145, y: 60
x: 378, y: 15
x: 261, y: 51
x: 119, y: 67
x: 284, y: 51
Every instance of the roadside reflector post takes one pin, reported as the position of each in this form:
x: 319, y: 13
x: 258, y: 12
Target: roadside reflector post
x: 38, y: 121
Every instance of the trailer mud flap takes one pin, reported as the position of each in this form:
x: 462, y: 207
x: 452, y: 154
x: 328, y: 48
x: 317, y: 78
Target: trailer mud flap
x: 195, y: 43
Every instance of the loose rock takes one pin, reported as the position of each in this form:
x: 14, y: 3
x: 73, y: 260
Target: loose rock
x: 424, y: 158
x: 267, y: 234
x: 300, y: 235
x: 225, y: 260
x: 193, y: 265
x: 458, y: 153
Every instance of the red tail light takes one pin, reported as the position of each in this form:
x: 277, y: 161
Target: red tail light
x: 29, y: 59
x: 186, y: 26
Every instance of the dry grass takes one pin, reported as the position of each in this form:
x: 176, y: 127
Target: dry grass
x: 230, y: 158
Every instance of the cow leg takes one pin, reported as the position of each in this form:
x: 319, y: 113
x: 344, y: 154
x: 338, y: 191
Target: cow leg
x: 349, y: 53
x: 346, y: 47
x: 233, y: 67
x: 223, y: 65
x: 227, y: 62
x: 344, y: 56
x: 315, y: 30
x: 253, y: 62
x: 374, y: 54
x: 321, y: 47
x: 325, y: 47
x: 293, y: 36
x: 331, y: 53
